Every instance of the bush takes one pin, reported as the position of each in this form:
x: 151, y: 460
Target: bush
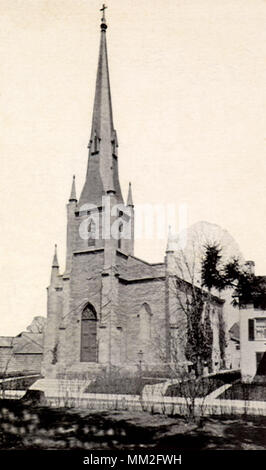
x: 18, y: 384
x: 8, y: 375
x: 116, y: 382
x: 245, y: 391
x: 197, y: 388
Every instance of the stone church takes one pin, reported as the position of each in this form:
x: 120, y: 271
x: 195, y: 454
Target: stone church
x: 108, y: 307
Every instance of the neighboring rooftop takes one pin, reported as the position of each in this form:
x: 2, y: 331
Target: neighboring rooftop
x: 234, y: 332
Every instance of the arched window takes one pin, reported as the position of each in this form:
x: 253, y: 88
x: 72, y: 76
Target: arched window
x: 145, y: 318
x: 88, y: 343
x: 91, y: 233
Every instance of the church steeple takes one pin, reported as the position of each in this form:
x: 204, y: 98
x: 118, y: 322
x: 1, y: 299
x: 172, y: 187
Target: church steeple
x: 103, y: 141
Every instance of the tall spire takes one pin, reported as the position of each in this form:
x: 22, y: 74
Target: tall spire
x: 103, y: 140
x: 73, y: 197
x: 102, y: 120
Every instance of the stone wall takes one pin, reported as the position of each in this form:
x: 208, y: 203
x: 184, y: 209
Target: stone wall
x: 132, y: 297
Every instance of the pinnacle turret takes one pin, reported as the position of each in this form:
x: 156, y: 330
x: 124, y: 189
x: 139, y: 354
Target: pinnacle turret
x: 55, y: 269
x: 73, y: 197
x: 55, y: 263
x: 171, y: 242
x: 129, y: 197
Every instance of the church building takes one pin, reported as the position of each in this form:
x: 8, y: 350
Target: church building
x: 108, y: 307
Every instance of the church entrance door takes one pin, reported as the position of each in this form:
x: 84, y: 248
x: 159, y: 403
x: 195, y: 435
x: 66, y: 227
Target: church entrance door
x: 88, y: 350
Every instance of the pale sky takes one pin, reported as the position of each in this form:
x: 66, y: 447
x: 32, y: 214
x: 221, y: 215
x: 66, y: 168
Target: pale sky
x: 189, y: 100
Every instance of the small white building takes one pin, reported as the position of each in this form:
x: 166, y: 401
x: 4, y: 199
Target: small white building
x: 252, y: 342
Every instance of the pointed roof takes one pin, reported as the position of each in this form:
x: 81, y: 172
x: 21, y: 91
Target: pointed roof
x: 129, y: 197
x: 103, y: 141
x: 55, y: 260
x: 73, y: 197
x: 235, y: 331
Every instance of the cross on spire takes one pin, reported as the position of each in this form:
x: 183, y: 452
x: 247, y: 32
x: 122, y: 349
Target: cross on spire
x: 103, y: 10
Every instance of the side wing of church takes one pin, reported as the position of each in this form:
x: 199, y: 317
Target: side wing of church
x: 108, y: 306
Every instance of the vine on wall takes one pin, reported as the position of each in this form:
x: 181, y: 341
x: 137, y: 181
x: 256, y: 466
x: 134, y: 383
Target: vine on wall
x: 222, y: 338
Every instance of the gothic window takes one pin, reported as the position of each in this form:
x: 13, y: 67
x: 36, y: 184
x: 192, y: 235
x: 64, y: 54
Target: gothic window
x: 88, y: 343
x: 145, y: 323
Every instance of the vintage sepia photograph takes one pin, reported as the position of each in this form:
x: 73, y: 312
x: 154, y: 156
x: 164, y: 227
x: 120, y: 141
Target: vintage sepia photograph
x: 133, y: 246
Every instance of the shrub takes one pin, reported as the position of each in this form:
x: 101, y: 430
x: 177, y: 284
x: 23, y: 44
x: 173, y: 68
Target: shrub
x: 20, y: 384
x: 246, y: 392
x: 116, y: 382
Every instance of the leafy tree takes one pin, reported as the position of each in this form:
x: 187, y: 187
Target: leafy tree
x: 248, y: 288
x: 231, y: 272
x: 210, y: 273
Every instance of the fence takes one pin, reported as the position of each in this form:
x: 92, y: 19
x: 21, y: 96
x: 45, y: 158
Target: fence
x: 69, y: 394
x: 159, y: 404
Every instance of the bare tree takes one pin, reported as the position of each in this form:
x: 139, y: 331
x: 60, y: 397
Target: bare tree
x: 191, y: 312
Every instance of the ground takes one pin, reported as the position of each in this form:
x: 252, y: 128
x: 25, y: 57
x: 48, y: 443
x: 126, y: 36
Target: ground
x: 35, y: 427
